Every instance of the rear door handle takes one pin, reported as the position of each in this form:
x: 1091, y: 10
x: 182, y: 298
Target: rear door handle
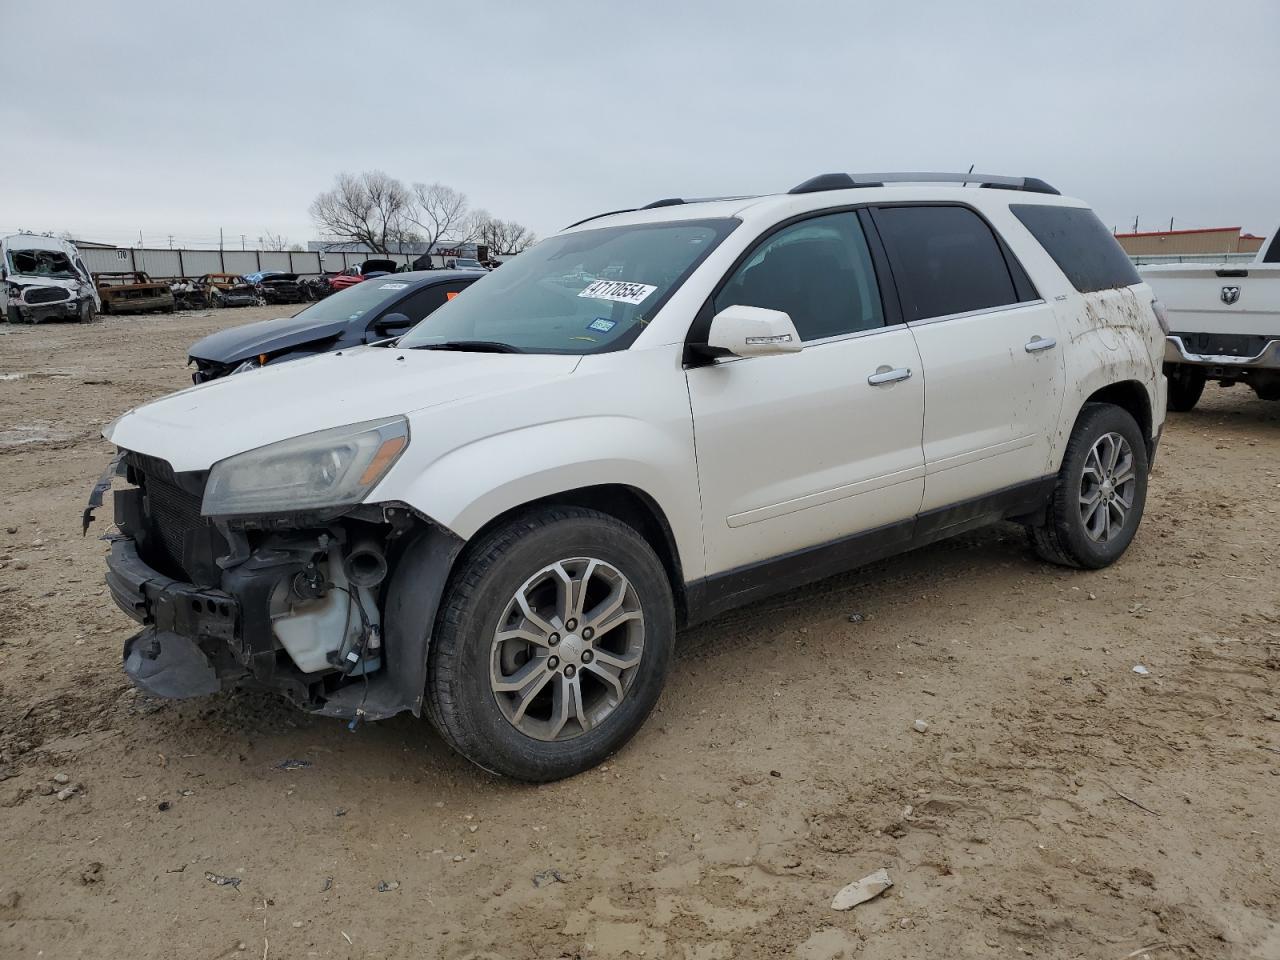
x: 886, y: 374
x: 1036, y: 344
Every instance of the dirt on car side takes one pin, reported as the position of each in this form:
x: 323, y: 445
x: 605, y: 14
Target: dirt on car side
x: 1057, y: 803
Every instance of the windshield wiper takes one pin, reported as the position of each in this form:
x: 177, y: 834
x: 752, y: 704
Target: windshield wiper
x: 471, y: 346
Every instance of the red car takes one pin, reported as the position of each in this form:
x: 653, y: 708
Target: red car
x: 361, y: 271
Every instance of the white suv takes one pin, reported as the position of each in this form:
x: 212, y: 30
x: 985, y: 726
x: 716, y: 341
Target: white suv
x: 504, y: 516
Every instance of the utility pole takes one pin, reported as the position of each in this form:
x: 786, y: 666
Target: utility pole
x: 171, y: 241
x: 1135, y: 223
x: 242, y: 241
x: 219, y: 238
x: 1171, y: 224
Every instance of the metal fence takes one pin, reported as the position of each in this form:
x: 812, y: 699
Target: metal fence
x: 166, y: 264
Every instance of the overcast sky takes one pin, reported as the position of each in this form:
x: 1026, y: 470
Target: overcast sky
x: 181, y: 118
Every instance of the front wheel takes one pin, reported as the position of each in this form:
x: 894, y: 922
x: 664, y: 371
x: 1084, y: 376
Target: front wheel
x: 552, y: 645
x: 1100, y: 492
x: 1186, y: 383
x: 87, y: 313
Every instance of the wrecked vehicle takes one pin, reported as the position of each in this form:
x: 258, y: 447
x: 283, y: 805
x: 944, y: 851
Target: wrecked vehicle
x: 361, y: 271
x: 500, y: 518
x: 44, y: 278
x: 1224, y: 321
x: 362, y: 314
x: 276, y: 286
x: 132, y: 292
x: 188, y: 294
x: 229, y: 290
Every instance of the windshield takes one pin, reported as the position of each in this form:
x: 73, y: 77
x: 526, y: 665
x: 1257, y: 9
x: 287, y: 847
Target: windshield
x: 42, y: 263
x: 586, y: 292
x: 356, y: 301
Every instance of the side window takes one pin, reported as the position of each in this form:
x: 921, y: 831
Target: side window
x: 818, y: 271
x: 945, y: 260
x: 1273, y: 251
x: 1080, y: 244
x: 418, y: 305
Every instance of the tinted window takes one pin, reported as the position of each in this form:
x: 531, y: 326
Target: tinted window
x: 945, y: 260
x: 1081, y: 246
x: 422, y: 303
x: 818, y: 271
x: 1273, y: 251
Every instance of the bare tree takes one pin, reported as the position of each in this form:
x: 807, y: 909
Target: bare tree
x: 504, y: 238
x: 439, y: 212
x: 275, y: 241
x: 371, y: 208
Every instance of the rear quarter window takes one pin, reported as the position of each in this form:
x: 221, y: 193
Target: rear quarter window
x: 1080, y: 244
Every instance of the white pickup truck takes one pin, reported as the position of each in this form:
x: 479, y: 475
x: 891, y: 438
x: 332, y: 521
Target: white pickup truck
x: 1224, y: 323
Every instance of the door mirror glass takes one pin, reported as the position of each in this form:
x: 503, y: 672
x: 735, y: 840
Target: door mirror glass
x: 753, y: 332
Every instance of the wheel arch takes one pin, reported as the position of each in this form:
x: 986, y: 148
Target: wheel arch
x: 1132, y: 397
x: 625, y: 503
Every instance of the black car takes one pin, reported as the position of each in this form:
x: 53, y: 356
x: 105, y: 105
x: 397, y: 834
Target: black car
x: 377, y: 309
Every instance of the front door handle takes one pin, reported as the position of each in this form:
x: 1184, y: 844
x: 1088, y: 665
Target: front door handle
x: 886, y: 374
x: 1036, y: 344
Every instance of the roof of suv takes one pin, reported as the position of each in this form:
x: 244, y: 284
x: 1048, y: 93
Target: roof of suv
x: 974, y: 188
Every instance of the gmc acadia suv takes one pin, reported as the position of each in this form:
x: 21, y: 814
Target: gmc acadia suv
x: 503, y: 517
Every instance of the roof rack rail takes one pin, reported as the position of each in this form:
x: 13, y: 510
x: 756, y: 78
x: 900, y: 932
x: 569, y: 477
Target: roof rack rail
x: 597, y: 216
x: 665, y: 202
x: 846, y: 181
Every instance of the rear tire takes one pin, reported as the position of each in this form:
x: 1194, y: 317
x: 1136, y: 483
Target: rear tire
x: 508, y: 621
x: 1100, y: 493
x: 1186, y: 384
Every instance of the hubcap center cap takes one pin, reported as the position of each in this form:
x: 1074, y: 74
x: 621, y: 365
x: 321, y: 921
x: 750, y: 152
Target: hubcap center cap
x: 571, y: 647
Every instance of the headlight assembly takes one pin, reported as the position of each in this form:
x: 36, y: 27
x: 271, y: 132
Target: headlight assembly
x: 331, y: 468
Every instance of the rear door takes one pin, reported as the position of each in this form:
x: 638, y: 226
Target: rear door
x: 810, y: 448
x: 994, y: 369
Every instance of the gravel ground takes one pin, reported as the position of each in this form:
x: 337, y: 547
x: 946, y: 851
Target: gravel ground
x: 1058, y: 805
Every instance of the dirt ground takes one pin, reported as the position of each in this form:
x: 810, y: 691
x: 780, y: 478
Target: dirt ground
x: 1059, y: 805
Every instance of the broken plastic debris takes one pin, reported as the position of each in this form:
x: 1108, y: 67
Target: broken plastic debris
x: 385, y: 886
x: 920, y: 726
x: 1141, y: 671
x: 546, y: 877
x: 217, y: 878
x: 860, y: 891
x: 292, y: 764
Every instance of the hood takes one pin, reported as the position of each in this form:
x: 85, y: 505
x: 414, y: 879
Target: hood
x: 198, y: 427
x: 265, y: 336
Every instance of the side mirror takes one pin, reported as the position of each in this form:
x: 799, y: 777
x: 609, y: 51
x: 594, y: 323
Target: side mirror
x: 390, y: 324
x: 753, y: 332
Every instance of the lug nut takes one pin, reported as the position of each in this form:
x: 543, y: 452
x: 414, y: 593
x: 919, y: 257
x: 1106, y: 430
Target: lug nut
x: 587, y: 656
x: 587, y: 633
x: 570, y: 670
x: 553, y: 639
x: 553, y: 662
x: 572, y: 624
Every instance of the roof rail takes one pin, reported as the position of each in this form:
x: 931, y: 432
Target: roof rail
x: 665, y: 202
x: 597, y: 216
x: 845, y: 181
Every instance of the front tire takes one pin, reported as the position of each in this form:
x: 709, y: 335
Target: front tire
x: 1186, y: 384
x: 1100, y: 492
x: 552, y: 645
x: 87, y: 313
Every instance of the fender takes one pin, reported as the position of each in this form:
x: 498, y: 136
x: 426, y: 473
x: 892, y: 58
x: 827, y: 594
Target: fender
x: 541, y: 460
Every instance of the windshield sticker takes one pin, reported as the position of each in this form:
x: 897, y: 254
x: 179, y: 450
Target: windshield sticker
x: 618, y: 291
x: 602, y: 324
x: 393, y: 286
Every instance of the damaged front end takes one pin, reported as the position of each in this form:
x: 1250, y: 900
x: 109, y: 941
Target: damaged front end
x: 330, y: 606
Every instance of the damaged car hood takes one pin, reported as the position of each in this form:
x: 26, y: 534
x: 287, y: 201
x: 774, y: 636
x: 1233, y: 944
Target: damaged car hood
x: 197, y: 427
x: 265, y: 336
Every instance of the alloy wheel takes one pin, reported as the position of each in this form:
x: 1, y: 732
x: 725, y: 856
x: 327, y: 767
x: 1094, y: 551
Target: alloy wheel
x: 566, y: 649
x: 1107, y: 487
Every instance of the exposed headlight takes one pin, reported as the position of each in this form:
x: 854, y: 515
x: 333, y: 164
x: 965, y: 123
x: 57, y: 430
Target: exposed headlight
x: 331, y: 468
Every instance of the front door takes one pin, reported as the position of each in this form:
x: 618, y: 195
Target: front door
x: 805, y: 449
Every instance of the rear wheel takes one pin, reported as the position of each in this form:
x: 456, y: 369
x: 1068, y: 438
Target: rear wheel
x: 552, y: 645
x: 1100, y: 492
x: 1186, y: 383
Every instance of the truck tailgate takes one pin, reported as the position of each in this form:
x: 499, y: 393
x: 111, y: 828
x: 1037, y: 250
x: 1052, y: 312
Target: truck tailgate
x: 1219, y: 298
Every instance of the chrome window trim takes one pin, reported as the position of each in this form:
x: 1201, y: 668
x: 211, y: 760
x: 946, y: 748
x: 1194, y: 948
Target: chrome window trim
x: 975, y: 313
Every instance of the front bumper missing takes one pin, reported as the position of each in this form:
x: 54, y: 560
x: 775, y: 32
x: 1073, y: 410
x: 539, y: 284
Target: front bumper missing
x: 176, y: 655
x: 1175, y: 351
